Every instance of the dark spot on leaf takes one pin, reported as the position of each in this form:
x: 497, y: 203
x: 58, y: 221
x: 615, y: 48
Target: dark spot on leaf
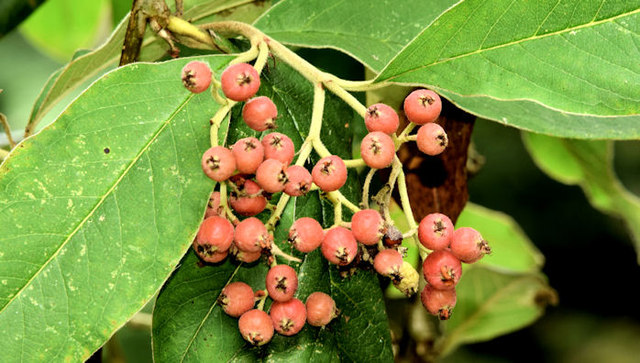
x: 106, y: 150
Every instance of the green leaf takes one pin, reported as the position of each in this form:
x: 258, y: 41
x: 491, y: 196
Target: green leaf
x: 120, y: 171
x: 589, y: 165
x: 512, y: 251
x: 370, y: 31
x: 13, y: 12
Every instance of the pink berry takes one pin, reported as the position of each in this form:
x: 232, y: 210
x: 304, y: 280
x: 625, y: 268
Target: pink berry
x: 367, y: 226
x: 306, y: 234
x: 442, y: 270
x: 468, y: 245
x: 236, y: 299
x: 388, y: 262
x: 330, y: 173
x: 213, y: 207
x: 248, y: 200
x: 438, y: 302
x: 288, y: 317
x: 422, y: 106
x: 196, y: 76
x: 210, y: 257
x: 381, y: 117
x: 260, y: 113
x: 300, y: 181
x: 377, y: 150
x: 244, y: 256
x: 249, y: 154
x: 256, y: 327
x: 218, y: 163
x: 321, y: 309
x: 240, y: 82
x: 282, y: 282
x: 251, y: 235
x: 278, y: 146
x: 435, y: 231
x: 272, y: 176
x: 215, y: 235
x: 339, y: 246
x: 431, y: 139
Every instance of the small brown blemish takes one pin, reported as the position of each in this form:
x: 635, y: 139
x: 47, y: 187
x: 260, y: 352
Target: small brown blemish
x: 107, y: 150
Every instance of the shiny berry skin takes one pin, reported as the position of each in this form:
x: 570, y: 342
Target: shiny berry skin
x: 215, y: 235
x: 330, y: 173
x: 240, y: 81
x: 442, y: 270
x: 236, y: 299
x: 251, y: 235
x: 272, y: 176
x: 249, y: 154
x: 218, y: 163
x: 260, y: 113
x: 388, y: 263
x: 468, y: 245
x: 321, y: 309
x: 380, y: 117
x: 213, y: 207
x: 431, y: 139
x: 435, y: 231
x: 438, y: 302
x: 196, y: 76
x: 288, y: 317
x: 282, y: 282
x: 256, y: 327
x: 300, y: 181
x: 278, y: 146
x: 248, y: 201
x: 244, y: 256
x: 422, y: 106
x: 367, y: 226
x: 377, y: 150
x: 306, y: 234
x: 339, y: 246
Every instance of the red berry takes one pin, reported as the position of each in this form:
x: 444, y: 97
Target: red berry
x: 210, y: 257
x: 339, y: 246
x: 236, y: 299
x: 272, y: 176
x: 251, y: 235
x: 218, y: 163
x: 256, y: 327
x: 248, y: 200
x: 381, y: 117
x: 300, y: 181
x: 240, y: 82
x: 282, y: 282
x: 215, y: 235
x: 435, y: 231
x: 249, y: 154
x: 260, y: 113
x: 288, y: 317
x: 321, y: 309
x: 330, y: 173
x: 213, y: 207
x: 196, y: 76
x: 432, y: 140
x: 377, y: 150
x: 244, y: 256
x: 367, y: 226
x: 438, y: 302
x: 306, y: 234
x: 388, y: 262
x: 278, y: 146
x: 422, y: 106
x: 442, y: 270
x: 468, y: 245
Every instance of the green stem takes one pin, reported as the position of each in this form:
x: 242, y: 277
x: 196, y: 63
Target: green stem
x: 347, y: 97
x: 338, y: 197
x: 366, y: 187
x: 263, y: 55
x: 217, y: 119
x: 406, y: 130
x: 225, y: 205
x: 354, y: 163
x: 276, y: 251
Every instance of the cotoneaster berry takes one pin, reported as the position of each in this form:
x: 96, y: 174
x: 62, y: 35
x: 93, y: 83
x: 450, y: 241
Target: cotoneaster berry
x: 435, y: 231
x: 278, y: 146
x: 288, y: 316
x: 244, y: 256
x: 438, y: 302
x: 251, y: 235
x: 248, y: 201
x: 468, y: 245
x: 380, y: 117
x: 442, y: 270
x: 196, y: 76
x: 306, y: 234
x: 213, y: 207
x: 282, y: 282
x: 388, y: 263
x: 249, y: 154
x: 300, y: 181
x: 377, y: 150
x: 422, y: 106
x: 260, y: 113
x: 330, y: 173
x: 272, y: 176
x: 431, y: 139
x: 236, y: 299
x: 339, y: 246
x: 207, y: 256
x: 218, y: 163
x: 392, y: 237
x: 240, y: 81
x: 256, y: 327
x: 367, y: 226
x: 321, y: 309
x: 407, y: 280
x: 215, y: 235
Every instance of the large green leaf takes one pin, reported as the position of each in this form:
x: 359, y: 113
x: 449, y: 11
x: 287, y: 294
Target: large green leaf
x: 98, y: 208
x: 370, y: 31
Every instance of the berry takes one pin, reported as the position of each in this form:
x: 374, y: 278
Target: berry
x: 422, y: 106
x: 306, y: 234
x: 260, y: 113
x: 442, y: 270
x: 388, y: 263
x: 256, y: 327
x: 272, y: 176
x: 367, y: 226
x: 196, y: 76
x: 240, y: 82
x: 300, y: 181
x: 218, y: 163
x: 435, y: 231
x: 213, y: 207
x: 392, y: 237
x: 244, y: 256
x: 321, y: 309
x: 432, y: 140
x: 251, y: 235
x: 407, y: 279
x: 339, y: 246
x: 468, y: 245
x: 377, y: 150
x: 380, y: 117
x: 207, y: 256
x: 248, y: 153
x: 248, y: 200
x: 330, y: 173
x: 438, y: 302
x: 215, y: 235
x: 278, y: 146
x: 282, y: 282
x: 236, y: 299
x: 288, y: 317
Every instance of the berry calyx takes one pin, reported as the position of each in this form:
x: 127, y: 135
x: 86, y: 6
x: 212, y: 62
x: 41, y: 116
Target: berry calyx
x: 431, y: 139
x: 422, y: 106
x: 251, y: 235
x: 215, y: 235
x: 248, y: 199
x: 438, y: 302
x: 321, y: 309
x: 306, y: 234
x: 282, y: 282
x: 256, y: 327
x: 300, y: 181
x: 339, y: 246
x: 407, y: 279
x: 236, y: 299
x: 330, y: 173
x: 260, y: 113
x: 288, y: 317
x: 278, y: 146
x: 388, y: 263
x: 240, y: 81
x: 468, y: 245
x: 272, y: 176
x: 442, y: 270
x: 377, y: 150
x: 435, y: 231
x: 249, y: 154
x: 196, y: 76
x: 218, y: 163
x: 367, y: 226
x: 380, y: 117
x: 208, y: 256
x: 213, y: 206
